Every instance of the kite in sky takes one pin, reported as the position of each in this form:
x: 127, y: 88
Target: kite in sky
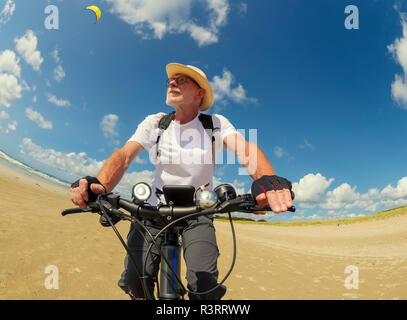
x: 96, y: 10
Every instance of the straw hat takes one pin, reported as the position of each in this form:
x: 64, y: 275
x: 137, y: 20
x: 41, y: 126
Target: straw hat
x: 198, y: 75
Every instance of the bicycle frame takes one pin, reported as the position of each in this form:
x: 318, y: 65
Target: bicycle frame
x: 170, y: 288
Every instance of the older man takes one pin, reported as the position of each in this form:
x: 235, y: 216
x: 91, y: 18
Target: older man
x: 178, y: 159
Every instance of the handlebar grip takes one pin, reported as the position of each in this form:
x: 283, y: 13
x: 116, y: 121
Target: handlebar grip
x: 291, y: 209
x: 75, y: 210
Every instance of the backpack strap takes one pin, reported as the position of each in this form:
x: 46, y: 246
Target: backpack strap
x: 164, y: 123
x: 207, y: 123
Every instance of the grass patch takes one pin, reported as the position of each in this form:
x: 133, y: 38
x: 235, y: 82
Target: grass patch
x: 377, y: 216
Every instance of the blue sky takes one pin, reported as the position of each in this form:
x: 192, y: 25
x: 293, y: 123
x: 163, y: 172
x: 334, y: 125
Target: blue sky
x: 329, y: 104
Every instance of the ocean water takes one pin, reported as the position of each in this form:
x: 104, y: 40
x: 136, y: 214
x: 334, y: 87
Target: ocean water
x: 26, y: 169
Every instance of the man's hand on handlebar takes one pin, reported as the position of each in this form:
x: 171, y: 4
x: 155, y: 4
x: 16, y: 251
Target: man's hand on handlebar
x: 81, y: 192
x: 272, y: 191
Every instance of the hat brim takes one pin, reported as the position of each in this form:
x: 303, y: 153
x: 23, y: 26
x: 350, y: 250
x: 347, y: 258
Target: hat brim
x: 177, y: 68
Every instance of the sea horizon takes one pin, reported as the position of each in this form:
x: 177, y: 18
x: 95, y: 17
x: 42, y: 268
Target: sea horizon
x: 33, y: 172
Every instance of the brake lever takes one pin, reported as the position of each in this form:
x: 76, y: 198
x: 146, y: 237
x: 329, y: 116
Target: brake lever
x: 75, y: 210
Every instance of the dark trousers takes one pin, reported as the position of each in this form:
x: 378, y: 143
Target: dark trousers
x: 200, y: 254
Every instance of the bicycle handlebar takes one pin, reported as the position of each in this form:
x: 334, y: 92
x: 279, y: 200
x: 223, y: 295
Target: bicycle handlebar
x: 168, y: 213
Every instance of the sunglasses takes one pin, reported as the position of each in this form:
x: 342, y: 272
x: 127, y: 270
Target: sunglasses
x: 181, y: 80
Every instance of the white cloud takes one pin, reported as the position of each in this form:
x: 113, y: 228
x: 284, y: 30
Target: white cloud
x: 55, y: 55
x: 25, y: 86
x: 306, y: 145
x: 131, y: 178
x: 223, y: 91
x: 372, y: 194
x: 399, y: 192
x: 140, y: 160
x: 279, y: 152
x: 243, y: 8
x: 7, y: 11
x: 12, y: 126
x: 310, y: 193
x: 109, y: 128
x: 219, y: 11
x: 58, y: 102
x: 343, y: 193
x: 162, y: 17
x: 38, y: 119
x: 399, y: 90
x: 4, y: 115
x: 337, y: 198
x: 366, y: 205
x: 26, y: 46
x: 10, y: 71
x: 315, y: 217
x: 240, y: 187
x: 393, y: 203
x: 10, y: 63
x: 59, y: 73
x: 345, y: 197
x: 311, y: 187
x: 10, y: 89
x: 201, y: 35
x: 372, y: 206
x: 399, y: 51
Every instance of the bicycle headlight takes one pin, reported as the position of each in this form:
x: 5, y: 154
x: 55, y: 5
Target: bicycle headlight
x: 141, y: 191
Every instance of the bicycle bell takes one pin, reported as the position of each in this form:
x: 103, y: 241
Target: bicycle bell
x: 141, y: 191
x: 207, y: 199
x: 225, y: 192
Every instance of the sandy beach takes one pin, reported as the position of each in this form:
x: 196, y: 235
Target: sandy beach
x: 273, y: 262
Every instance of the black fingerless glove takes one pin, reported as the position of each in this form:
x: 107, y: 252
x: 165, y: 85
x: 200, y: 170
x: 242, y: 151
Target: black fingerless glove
x: 92, y: 196
x: 267, y: 183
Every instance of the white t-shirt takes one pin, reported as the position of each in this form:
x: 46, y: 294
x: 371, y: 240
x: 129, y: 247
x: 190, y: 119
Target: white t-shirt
x: 185, y: 150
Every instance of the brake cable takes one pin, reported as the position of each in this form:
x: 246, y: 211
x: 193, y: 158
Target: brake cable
x: 153, y: 242
x: 234, y: 249
x: 141, y: 277
x: 123, y: 243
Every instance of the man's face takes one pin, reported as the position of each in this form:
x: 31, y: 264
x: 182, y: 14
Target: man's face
x: 185, y: 93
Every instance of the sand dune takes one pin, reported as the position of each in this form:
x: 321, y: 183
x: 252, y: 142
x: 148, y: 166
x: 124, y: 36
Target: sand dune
x: 272, y: 262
